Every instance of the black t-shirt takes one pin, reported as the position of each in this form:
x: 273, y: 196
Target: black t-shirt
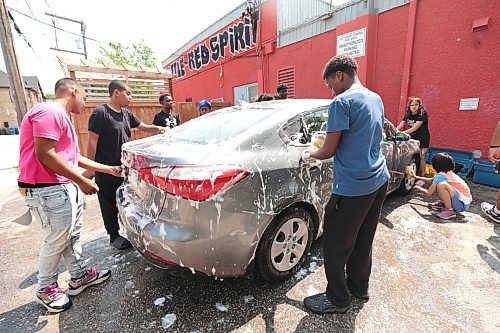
x: 164, y: 119
x: 422, y: 133
x: 114, y: 130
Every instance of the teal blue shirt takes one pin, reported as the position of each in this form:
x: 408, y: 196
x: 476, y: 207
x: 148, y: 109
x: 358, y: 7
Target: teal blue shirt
x: 359, y: 166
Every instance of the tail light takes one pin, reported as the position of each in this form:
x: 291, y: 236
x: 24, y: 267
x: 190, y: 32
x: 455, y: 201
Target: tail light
x: 197, y: 183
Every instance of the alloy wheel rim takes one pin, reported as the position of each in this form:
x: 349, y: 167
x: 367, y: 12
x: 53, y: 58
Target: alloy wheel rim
x: 409, y: 182
x: 289, y: 244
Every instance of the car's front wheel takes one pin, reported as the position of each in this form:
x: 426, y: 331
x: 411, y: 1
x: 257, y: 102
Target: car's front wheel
x: 407, y: 183
x: 284, y: 244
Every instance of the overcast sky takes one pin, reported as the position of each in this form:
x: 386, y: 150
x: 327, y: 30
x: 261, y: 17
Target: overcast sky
x: 165, y: 25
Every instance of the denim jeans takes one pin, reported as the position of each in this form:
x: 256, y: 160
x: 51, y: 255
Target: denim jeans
x: 59, y: 210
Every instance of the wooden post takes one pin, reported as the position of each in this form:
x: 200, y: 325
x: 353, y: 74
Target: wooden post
x: 10, y: 58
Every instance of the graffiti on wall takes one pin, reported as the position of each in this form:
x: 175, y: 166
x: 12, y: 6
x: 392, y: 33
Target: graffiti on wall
x: 227, y: 43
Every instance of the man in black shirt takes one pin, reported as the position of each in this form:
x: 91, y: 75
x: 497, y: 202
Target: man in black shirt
x: 166, y: 117
x: 109, y: 128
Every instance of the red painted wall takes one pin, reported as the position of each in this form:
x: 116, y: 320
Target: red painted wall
x: 309, y: 57
x: 451, y: 62
x: 390, y: 58
x: 448, y: 62
x: 209, y: 84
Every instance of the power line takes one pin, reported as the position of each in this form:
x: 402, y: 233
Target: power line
x: 29, y: 7
x: 18, y: 30
x: 50, y: 25
x: 50, y: 9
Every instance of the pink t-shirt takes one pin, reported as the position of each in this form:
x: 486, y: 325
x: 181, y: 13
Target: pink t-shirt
x: 457, y: 183
x: 51, y: 121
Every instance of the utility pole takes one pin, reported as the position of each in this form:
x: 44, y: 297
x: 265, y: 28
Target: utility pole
x: 9, y: 54
x: 82, y: 29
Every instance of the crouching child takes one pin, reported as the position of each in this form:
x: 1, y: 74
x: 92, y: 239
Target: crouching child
x: 454, y: 193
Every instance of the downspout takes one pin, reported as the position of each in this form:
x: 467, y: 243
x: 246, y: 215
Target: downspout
x: 410, y: 37
x: 260, y: 54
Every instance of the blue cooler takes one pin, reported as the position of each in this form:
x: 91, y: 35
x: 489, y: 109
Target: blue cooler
x: 484, y: 173
x: 464, y: 160
x: 12, y: 131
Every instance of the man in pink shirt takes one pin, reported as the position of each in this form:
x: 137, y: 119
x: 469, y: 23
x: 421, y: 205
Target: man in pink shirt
x: 52, y: 186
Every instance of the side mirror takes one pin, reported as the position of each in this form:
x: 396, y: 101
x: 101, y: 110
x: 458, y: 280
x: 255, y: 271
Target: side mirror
x: 401, y: 137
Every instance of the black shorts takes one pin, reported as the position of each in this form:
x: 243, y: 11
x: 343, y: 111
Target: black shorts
x: 424, y: 141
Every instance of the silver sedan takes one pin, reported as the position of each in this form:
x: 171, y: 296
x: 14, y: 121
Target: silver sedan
x: 229, y: 189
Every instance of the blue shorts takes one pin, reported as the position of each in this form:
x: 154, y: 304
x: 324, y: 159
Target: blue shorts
x: 457, y: 204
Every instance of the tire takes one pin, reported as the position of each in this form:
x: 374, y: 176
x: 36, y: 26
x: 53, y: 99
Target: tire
x: 285, y: 243
x: 406, y: 184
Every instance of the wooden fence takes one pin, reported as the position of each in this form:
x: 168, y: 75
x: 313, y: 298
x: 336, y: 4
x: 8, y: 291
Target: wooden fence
x: 145, y: 111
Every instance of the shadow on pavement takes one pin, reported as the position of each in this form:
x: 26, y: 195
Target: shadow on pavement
x: 434, y: 219
x: 338, y: 323
x: 492, y: 254
x: 23, y: 319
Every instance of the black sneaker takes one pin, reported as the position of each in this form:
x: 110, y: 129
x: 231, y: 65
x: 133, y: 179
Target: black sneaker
x: 320, y: 303
x: 120, y: 243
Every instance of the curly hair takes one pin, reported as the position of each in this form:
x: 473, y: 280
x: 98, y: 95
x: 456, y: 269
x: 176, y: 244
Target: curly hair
x: 162, y: 96
x: 421, y: 109
x: 281, y: 87
x: 343, y: 63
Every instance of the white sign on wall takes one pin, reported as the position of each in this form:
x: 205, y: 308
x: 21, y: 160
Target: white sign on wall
x: 468, y: 104
x: 352, y: 43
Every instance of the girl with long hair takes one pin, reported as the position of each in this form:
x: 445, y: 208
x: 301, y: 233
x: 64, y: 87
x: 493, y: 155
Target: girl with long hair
x: 417, y: 122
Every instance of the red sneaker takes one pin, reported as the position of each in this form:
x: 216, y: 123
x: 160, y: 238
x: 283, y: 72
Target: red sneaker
x: 53, y: 298
x: 91, y: 277
x: 447, y: 214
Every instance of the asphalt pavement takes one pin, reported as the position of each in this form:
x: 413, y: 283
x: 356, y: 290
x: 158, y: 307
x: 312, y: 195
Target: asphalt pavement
x: 428, y: 275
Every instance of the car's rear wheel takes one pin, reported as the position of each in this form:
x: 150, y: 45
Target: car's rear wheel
x: 284, y: 244
x: 407, y: 183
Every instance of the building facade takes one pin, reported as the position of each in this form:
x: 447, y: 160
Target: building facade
x: 8, y: 113
x: 446, y: 52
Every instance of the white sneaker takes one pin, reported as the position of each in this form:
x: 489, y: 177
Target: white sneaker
x: 92, y: 277
x: 53, y: 298
x: 489, y: 210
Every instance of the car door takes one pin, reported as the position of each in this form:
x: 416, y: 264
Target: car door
x: 316, y: 180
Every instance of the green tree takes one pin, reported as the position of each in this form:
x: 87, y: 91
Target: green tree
x: 138, y: 54
x: 49, y: 96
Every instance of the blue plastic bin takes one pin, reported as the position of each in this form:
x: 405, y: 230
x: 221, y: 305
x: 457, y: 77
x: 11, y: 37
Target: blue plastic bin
x: 484, y: 173
x: 464, y: 160
x: 12, y: 130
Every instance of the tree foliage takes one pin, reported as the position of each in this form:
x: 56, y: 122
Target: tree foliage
x: 138, y: 54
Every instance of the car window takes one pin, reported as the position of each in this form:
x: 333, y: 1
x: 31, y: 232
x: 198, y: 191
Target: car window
x: 293, y: 132
x: 214, y: 128
x: 299, y: 131
x: 316, y: 121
